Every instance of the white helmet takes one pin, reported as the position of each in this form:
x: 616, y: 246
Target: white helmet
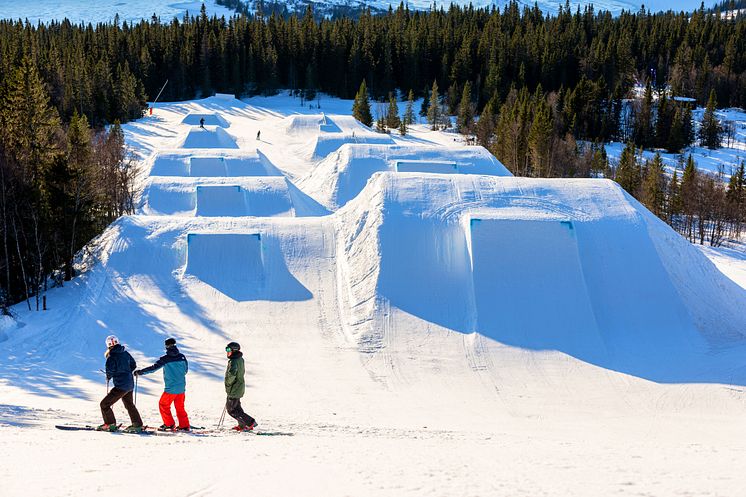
x: 111, y: 341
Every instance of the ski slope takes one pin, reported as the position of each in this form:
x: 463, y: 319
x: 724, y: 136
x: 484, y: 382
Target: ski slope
x: 419, y: 320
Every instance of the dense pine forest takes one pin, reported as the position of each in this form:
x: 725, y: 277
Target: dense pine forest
x: 549, y: 89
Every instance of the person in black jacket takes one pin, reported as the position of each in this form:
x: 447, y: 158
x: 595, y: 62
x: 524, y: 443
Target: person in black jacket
x: 119, y: 368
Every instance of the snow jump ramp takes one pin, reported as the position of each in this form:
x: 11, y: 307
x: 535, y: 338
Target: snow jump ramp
x: 210, y: 137
x: 211, y: 166
x: 221, y: 200
x: 242, y: 267
x: 571, y: 267
x: 210, y: 119
x: 231, y: 263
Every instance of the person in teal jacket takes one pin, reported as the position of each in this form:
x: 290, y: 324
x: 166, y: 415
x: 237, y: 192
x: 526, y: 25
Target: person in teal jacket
x: 235, y: 386
x: 175, y: 367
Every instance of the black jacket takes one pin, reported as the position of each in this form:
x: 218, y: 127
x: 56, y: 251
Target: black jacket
x: 119, y: 367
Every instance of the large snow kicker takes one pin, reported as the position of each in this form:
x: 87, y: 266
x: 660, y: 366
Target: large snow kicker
x: 206, y: 119
x: 542, y: 265
x: 232, y: 263
x: 209, y: 137
x: 341, y: 176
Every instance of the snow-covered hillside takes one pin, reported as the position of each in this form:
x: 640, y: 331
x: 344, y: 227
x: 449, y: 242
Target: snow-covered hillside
x: 419, y: 320
x: 95, y: 11
x: 725, y: 159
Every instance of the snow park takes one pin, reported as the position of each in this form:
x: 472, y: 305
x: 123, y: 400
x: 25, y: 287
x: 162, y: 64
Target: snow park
x: 353, y: 249
x: 414, y: 321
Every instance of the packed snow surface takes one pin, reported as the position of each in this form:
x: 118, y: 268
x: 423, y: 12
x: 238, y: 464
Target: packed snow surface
x: 415, y: 321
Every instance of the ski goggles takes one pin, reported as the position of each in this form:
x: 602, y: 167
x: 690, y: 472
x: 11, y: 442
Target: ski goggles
x: 228, y: 349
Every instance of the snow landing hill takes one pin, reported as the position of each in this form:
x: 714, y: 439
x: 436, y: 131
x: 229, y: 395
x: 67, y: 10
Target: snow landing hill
x: 421, y: 321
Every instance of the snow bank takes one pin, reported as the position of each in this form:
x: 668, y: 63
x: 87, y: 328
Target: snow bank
x: 342, y: 176
x: 7, y: 323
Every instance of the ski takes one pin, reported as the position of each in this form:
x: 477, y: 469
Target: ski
x: 73, y: 427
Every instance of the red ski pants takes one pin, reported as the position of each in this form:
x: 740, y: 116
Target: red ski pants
x: 165, y: 405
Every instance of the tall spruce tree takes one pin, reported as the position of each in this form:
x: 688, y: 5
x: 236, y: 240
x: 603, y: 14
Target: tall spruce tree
x: 485, y: 127
x: 465, y: 121
x: 29, y: 128
x: 409, y: 117
x: 392, y: 115
x: 628, y: 170
x: 654, y: 187
x: 711, y: 131
x: 361, y: 106
x: 434, y: 117
x: 644, y: 134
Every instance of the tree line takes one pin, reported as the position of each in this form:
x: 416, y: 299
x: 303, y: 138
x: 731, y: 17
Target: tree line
x: 61, y: 184
x: 106, y: 71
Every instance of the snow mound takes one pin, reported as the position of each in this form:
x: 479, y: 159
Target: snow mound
x: 483, y: 254
x: 342, y: 176
x: 195, y: 165
x: 323, y: 135
x: 210, y: 137
x: 260, y: 196
x: 211, y: 119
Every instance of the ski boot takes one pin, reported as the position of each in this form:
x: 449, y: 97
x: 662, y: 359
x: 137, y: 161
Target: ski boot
x: 245, y: 427
x: 134, y: 429
x: 166, y: 428
x: 107, y: 427
x: 185, y: 429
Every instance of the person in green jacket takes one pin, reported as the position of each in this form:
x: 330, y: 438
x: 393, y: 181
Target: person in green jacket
x: 235, y: 386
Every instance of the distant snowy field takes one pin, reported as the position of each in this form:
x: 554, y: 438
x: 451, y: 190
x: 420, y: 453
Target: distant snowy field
x: 423, y: 323
x: 95, y: 11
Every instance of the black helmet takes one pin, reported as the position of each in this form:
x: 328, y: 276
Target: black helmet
x: 170, y: 342
x: 232, y: 347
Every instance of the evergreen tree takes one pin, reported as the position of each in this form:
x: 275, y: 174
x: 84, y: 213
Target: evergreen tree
x: 653, y: 188
x: 409, y: 118
x: 29, y: 128
x: 674, y: 197
x: 710, y: 132
x: 465, y: 122
x: 425, y: 107
x: 361, y: 106
x: 643, y: 133
x: 485, y: 128
x: 539, y: 138
x: 433, y: 112
x: 628, y: 170
x: 689, y: 196
x: 392, y: 116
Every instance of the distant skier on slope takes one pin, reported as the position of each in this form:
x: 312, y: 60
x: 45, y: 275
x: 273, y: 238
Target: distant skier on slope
x: 259, y: 135
x: 235, y: 387
x: 202, y: 122
x: 175, y: 367
x: 119, y: 367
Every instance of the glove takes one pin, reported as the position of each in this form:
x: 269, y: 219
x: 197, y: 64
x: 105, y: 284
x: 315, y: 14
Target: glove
x: 137, y: 372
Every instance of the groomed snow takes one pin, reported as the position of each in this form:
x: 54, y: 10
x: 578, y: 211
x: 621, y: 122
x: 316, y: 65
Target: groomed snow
x: 418, y: 333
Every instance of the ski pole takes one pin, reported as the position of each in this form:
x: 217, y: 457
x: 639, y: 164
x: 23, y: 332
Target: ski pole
x: 222, y: 417
x: 136, y: 390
